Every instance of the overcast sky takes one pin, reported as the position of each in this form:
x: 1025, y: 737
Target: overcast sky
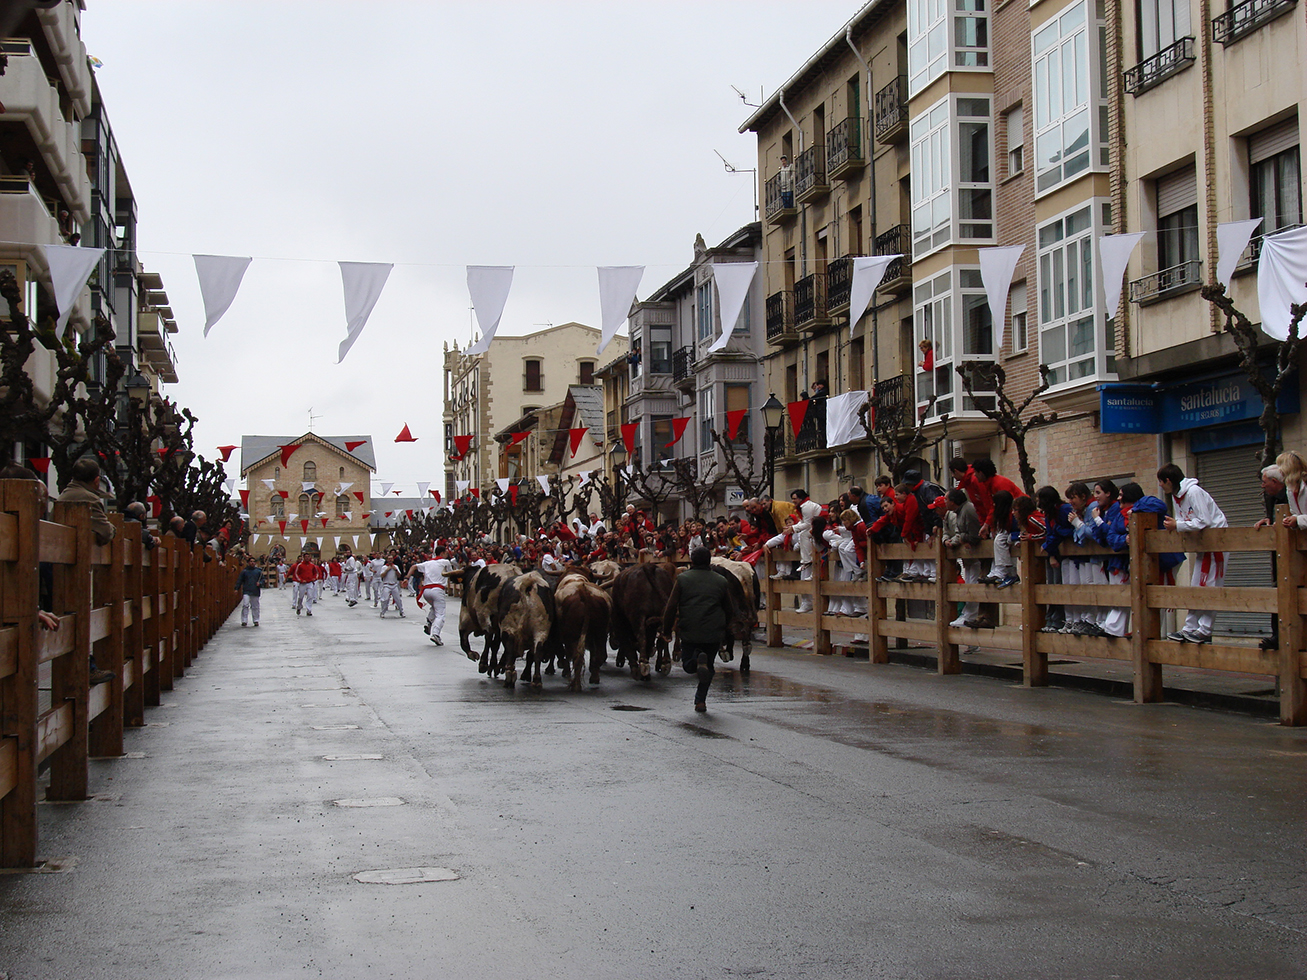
x: 552, y: 137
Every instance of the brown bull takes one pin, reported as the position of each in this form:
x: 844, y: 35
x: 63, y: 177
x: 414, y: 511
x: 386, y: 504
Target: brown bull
x: 479, y: 615
x: 583, y: 612
x: 640, y: 596
x: 743, y: 617
x: 526, y: 621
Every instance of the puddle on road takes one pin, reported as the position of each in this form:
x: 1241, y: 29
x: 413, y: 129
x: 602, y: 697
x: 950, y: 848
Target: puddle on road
x: 701, y: 731
x: 628, y: 707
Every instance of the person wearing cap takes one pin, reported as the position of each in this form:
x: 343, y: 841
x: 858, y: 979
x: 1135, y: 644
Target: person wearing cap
x: 698, y: 609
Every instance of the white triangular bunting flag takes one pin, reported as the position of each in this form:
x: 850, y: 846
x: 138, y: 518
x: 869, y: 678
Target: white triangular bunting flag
x: 385, y: 488
x: 229, y: 483
x: 254, y: 539
x: 733, y: 280
x: 617, y: 286
x: 868, y: 271
x: 270, y: 484
x: 70, y: 267
x: 996, y: 268
x: 544, y: 484
x: 220, y: 278
x: 423, y: 488
x: 1281, y: 274
x: 461, y: 486
x: 585, y: 478
x: 1115, y: 252
x: 1232, y: 238
x: 344, y: 488
x: 292, y: 517
x: 502, y: 483
x: 307, y: 485
x: 337, y: 537
x: 303, y: 542
x: 488, y: 287
x: 363, y: 282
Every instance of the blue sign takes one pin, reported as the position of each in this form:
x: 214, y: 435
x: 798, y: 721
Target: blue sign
x: 1128, y: 408
x: 1192, y: 405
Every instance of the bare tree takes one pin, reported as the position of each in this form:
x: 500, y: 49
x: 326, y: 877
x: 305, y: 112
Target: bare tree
x: 1249, y: 341
x: 893, y: 439
x: 753, y: 484
x: 697, y: 487
x: 980, y: 379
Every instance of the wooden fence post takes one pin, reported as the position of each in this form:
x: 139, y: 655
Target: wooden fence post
x: 946, y: 572
x: 820, y: 634
x: 877, y: 607
x: 1146, y: 622
x: 19, y: 696
x: 774, y: 637
x: 70, y: 673
x: 1034, y: 664
x: 167, y: 600
x: 1292, y: 568
x: 148, y: 637
x: 105, y: 730
x: 134, y: 696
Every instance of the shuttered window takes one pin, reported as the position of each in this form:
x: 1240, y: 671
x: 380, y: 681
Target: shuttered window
x: 1232, y: 477
x: 1272, y: 140
x: 1177, y: 191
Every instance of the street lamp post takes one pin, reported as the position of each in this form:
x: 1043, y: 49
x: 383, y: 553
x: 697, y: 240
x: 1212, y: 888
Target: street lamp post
x: 617, y: 457
x: 772, y: 413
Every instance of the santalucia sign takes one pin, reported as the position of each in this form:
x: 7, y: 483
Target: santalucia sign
x: 1172, y: 408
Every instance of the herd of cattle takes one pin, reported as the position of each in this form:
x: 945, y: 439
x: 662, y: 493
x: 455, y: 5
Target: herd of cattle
x: 542, y: 617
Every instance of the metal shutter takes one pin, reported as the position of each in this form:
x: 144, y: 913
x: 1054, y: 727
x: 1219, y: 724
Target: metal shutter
x: 1177, y: 191
x: 1272, y: 140
x: 1231, y: 477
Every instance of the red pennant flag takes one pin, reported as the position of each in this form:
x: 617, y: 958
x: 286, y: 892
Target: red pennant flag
x: 367, y: 514
x: 436, y: 494
x: 462, y: 444
x: 575, y: 436
x: 517, y: 437
x: 245, y: 498
x: 226, y: 451
x: 287, y: 452
x: 304, y: 524
x: 352, y: 445
x: 798, y: 411
x: 285, y: 494
x: 389, y: 512
x: 628, y: 437
x: 512, y: 495
x: 733, y: 420
x: 282, y: 525
x: 359, y: 494
x: 396, y: 492
x: 678, y: 430
x: 163, y: 452
x: 156, y: 505
x: 408, y: 514
x: 474, y: 492
x: 40, y: 463
x: 405, y: 435
x: 324, y: 521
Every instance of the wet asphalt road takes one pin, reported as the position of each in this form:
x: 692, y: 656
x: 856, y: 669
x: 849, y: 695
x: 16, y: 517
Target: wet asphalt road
x: 825, y: 819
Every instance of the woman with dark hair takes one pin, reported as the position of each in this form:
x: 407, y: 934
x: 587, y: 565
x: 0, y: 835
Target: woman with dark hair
x: 1057, y: 528
x: 1004, y: 572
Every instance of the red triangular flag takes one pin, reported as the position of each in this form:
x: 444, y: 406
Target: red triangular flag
x: 285, y: 494
x: 628, y: 436
x: 287, y: 452
x: 359, y: 494
x: 40, y: 463
x: 798, y: 411
x: 575, y: 436
x: 474, y: 492
x: 156, y: 505
x: 462, y: 444
x: 245, y: 498
x: 517, y: 437
x: 367, y: 514
x: 324, y: 521
x: 678, y: 430
x: 408, y: 514
x: 163, y: 452
x: 512, y: 495
x: 305, y: 525
x: 405, y: 435
x: 733, y: 420
x: 351, y: 445
x: 389, y: 512
x: 397, y: 492
x: 282, y: 525
x: 226, y: 451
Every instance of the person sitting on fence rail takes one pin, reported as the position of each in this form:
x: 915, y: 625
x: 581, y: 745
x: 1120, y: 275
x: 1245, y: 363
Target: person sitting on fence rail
x: 84, y: 488
x: 1118, y: 539
x: 1084, y: 517
x: 1293, y: 470
x: 135, y: 511
x: 1112, y: 620
x: 1003, y: 574
x: 1057, y: 529
x: 1194, y: 510
x: 965, y: 538
x: 918, y: 521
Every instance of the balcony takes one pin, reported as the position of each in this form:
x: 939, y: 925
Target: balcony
x: 780, y: 318
x: 892, y: 111
x: 892, y: 401
x: 1249, y: 263
x: 1161, y: 66
x: 844, y: 153
x: 898, y: 274
x: 1242, y: 20
x: 839, y: 283
x: 778, y: 199
x: 810, y: 302
x: 812, y: 434
x: 32, y: 100
x: 683, y: 365
x: 24, y: 214
x: 1169, y: 282
x: 811, y: 182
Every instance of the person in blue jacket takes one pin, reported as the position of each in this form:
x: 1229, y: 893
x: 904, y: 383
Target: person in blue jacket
x: 1057, y: 529
x: 1117, y: 537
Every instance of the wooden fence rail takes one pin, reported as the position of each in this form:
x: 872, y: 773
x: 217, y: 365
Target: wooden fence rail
x: 1025, y: 605
x: 143, y: 614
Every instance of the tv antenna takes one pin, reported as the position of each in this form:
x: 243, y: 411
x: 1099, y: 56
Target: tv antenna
x: 733, y: 169
x: 312, y: 417
x: 745, y: 99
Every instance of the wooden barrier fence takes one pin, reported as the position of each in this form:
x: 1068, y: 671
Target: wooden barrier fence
x: 143, y: 614
x: 1024, y: 606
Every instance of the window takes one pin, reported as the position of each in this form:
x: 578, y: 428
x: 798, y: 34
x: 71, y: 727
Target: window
x: 533, y: 377
x: 931, y: 300
x: 707, y: 421
x: 277, y: 505
x: 1013, y: 123
x: 703, y: 311
x: 857, y: 377
x: 1276, y: 177
x: 738, y: 398
x: 342, y: 506
x: 931, y: 198
x: 310, y: 472
x: 933, y: 34
x: 1177, y: 221
x: 975, y: 192
x: 306, y: 507
x: 276, y: 472
x: 587, y: 372
x: 1070, y: 97
x: 1161, y: 24
x: 342, y: 472
x: 1074, y: 340
x: 970, y: 34
x: 662, y: 435
x: 939, y: 173
x: 660, y: 350
x: 1020, y: 335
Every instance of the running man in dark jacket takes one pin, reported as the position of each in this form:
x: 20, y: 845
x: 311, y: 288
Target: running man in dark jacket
x: 250, y: 585
x: 698, y: 609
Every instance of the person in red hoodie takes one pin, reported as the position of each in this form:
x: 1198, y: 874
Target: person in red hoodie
x: 303, y: 574
x: 916, y: 525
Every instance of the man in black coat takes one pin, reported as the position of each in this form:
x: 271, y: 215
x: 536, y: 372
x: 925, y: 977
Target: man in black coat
x: 698, y: 608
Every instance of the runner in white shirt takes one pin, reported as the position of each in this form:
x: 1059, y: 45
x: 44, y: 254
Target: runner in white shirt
x: 434, y: 572
x: 351, y: 569
x: 374, y: 567
x: 282, y: 569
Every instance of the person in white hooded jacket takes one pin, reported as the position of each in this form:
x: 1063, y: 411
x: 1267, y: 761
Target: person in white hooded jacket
x: 1194, y: 510
x: 1293, y: 468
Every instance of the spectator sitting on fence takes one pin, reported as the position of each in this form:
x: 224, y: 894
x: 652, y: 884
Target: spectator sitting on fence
x: 1084, y: 516
x: 1194, y: 510
x: 966, y: 535
x: 1003, y: 574
x: 1293, y: 472
x: 1057, y: 529
x: 135, y: 511
x: 84, y: 488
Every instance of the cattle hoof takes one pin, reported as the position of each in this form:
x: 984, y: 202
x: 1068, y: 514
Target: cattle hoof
x: 665, y: 668
x: 744, y: 666
x: 594, y: 678
x: 536, y: 685
x: 550, y: 670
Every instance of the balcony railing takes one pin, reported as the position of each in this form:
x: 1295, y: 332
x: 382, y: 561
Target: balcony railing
x: 682, y: 364
x: 1162, y: 284
x: 1167, y: 62
x: 810, y: 179
x: 780, y: 316
x: 779, y: 198
x: 892, y: 111
x: 810, y: 301
x: 844, y: 153
x: 1246, y: 17
x: 839, y: 283
x: 896, y: 241
x: 1255, y: 249
x: 812, y: 434
x: 891, y: 403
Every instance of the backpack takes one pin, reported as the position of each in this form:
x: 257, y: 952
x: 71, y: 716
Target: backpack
x: 927, y: 493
